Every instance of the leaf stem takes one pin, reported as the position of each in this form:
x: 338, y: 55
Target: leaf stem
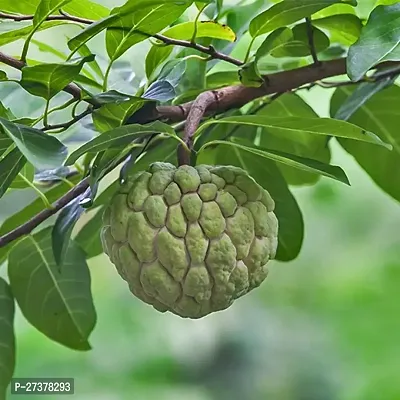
x: 38, y: 191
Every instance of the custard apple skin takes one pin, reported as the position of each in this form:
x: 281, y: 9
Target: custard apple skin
x: 190, y: 240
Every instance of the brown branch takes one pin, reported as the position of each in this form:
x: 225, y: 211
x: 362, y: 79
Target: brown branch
x: 35, y: 221
x: 63, y: 17
x: 196, y: 113
x: 72, y: 121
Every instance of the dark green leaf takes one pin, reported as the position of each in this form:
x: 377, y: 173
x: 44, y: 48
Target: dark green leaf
x: 288, y: 12
x: 52, y: 175
x: 58, y: 302
x: 111, y: 96
x: 379, y: 37
x: 250, y: 76
x: 62, y: 229
x: 41, y: 150
x: 10, y: 165
x: 3, y: 76
x: 292, y: 160
x: 6, y: 112
x: 222, y: 78
x: 274, y: 40
x: 120, y: 136
x: 7, y: 337
x: 265, y: 172
x: 89, y: 236
x: 343, y: 28
x: 46, y: 80
x: 294, y: 125
x: 379, y: 113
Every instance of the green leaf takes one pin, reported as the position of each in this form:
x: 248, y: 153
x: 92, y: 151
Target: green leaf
x: 148, y: 19
x: 3, y: 76
x: 7, y: 337
x: 379, y: 113
x: 114, y: 19
x: 17, y: 34
x: 161, y: 90
x: 265, y: 172
x: 292, y: 160
x: 210, y: 29
x: 113, y: 115
x: 111, y: 96
x: 46, y: 80
x: 222, y: 78
x: 89, y: 236
x: 360, y: 96
x: 343, y: 28
x: 299, y: 46
x: 6, y: 113
x: 276, y: 39
x: 303, y: 144
x: 28, y: 172
x: 294, y: 125
x: 120, y: 136
x: 58, y: 302
x: 379, y: 37
x: 10, y: 165
x: 250, y: 76
x: 41, y: 150
x: 79, y: 8
x: 46, y: 8
x: 155, y: 57
x: 287, y: 12
x: 62, y: 229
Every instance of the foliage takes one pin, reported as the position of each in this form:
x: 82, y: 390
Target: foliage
x: 68, y: 126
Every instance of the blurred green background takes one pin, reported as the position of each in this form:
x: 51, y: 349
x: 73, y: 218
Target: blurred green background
x: 325, y: 326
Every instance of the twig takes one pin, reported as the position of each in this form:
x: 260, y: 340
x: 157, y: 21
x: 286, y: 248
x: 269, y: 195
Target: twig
x: 63, y: 17
x: 69, y: 123
x: 197, y: 111
x: 311, y: 44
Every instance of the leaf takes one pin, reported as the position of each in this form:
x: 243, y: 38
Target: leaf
x: 210, y: 29
x: 379, y: 37
x: 287, y: 12
x: 111, y: 96
x: 155, y: 57
x: 360, y: 96
x: 120, y: 136
x: 294, y: 125
x: 344, y: 28
x: 10, y: 165
x: 250, y: 76
x: 127, y: 31
x: 7, y: 337
x: 292, y: 160
x: 46, y: 80
x: 46, y: 8
x: 41, y: 150
x: 114, y: 20
x: 222, y: 78
x: 303, y: 144
x: 161, y: 90
x: 276, y: 39
x: 28, y: 172
x: 113, y: 115
x: 14, y: 35
x: 379, y: 113
x: 62, y: 229
x: 89, y: 236
x: 298, y: 46
x: 265, y: 172
x: 57, y: 302
x: 3, y: 76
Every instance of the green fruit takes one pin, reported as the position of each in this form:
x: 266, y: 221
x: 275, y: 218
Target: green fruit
x: 190, y: 240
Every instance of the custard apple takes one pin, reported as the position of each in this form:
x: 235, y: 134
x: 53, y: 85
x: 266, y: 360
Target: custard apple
x: 190, y: 240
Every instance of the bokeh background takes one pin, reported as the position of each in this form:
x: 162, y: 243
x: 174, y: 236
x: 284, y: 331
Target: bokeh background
x: 325, y: 326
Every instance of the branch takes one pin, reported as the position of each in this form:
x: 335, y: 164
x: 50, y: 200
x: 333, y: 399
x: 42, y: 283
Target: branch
x: 196, y: 113
x: 66, y: 125
x: 63, y: 17
x: 35, y: 221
